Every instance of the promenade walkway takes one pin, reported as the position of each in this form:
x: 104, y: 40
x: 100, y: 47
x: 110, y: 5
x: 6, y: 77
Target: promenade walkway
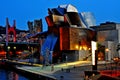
x: 66, y: 71
x: 63, y: 71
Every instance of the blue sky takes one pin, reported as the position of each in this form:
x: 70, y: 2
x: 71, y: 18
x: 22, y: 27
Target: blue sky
x: 24, y: 10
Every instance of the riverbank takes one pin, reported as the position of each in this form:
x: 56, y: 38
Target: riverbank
x: 65, y: 71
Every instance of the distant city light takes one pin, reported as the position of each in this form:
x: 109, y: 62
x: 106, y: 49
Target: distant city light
x: 8, y: 47
x: 14, y: 47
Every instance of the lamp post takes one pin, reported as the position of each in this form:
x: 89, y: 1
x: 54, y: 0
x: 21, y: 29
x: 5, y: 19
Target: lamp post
x: 106, y: 54
x: 7, y: 38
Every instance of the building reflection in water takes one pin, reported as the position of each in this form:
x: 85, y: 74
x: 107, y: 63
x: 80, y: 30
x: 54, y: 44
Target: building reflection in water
x: 9, y: 75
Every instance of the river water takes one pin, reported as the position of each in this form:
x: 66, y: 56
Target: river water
x: 10, y: 75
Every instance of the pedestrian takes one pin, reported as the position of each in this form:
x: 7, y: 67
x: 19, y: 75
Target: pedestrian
x: 61, y: 77
x: 52, y: 67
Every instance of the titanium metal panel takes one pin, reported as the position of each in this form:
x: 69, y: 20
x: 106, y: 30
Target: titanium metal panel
x: 49, y: 43
x: 73, y: 18
x: 83, y: 21
x: 61, y: 11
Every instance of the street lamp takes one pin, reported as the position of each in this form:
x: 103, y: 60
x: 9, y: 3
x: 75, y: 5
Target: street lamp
x: 8, y: 48
x: 106, y: 54
x: 76, y: 46
x: 14, y: 48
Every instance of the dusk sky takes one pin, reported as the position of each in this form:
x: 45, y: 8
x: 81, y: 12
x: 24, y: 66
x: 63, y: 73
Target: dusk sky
x: 28, y: 10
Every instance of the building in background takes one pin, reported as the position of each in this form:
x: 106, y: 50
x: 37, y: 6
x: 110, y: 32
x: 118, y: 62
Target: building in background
x: 22, y: 48
x: 38, y: 26
x: 35, y: 27
x: 108, y: 36
x: 67, y: 36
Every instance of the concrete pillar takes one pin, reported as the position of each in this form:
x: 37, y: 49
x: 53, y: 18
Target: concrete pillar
x: 118, y: 28
x: 110, y: 50
x: 119, y: 41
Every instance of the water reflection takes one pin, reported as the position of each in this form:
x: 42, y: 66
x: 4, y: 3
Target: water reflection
x: 9, y: 75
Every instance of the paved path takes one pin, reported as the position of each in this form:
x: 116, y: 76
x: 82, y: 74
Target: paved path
x: 69, y: 71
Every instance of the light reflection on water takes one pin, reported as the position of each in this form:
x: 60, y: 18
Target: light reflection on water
x: 9, y: 75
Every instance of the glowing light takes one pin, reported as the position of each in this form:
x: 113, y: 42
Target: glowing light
x: 8, y: 47
x: 14, y: 47
x: 76, y: 46
x: 94, y: 47
x: 106, y: 49
x: 99, y: 58
x: 85, y: 47
x: 80, y: 47
x: 89, y: 48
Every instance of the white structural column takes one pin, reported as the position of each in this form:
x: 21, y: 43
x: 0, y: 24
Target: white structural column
x: 118, y: 28
x: 119, y: 40
x: 94, y: 48
x: 110, y: 50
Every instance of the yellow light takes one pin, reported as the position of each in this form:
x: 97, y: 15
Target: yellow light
x: 106, y: 49
x: 85, y: 47
x: 76, y: 46
x: 8, y: 47
x: 89, y: 49
x: 99, y: 58
x: 80, y: 47
x: 14, y: 47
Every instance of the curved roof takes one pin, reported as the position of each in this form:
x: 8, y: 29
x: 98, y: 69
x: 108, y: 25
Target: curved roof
x: 69, y: 8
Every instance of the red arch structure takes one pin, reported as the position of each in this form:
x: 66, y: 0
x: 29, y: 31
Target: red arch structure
x: 10, y: 30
